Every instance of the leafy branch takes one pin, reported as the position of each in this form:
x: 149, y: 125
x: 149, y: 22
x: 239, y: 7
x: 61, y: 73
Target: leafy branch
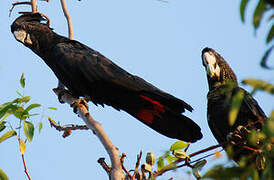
x: 21, y: 110
x: 263, y: 6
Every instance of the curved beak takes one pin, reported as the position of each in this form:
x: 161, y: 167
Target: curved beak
x: 212, y: 67
x: 22, y: 36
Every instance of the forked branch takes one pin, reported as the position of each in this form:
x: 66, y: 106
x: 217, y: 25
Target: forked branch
x: 82, y: 111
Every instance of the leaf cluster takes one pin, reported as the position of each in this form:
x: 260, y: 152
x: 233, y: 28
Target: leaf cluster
x: 262, y: 168
x: 262, y: 9
x: 21, y: 109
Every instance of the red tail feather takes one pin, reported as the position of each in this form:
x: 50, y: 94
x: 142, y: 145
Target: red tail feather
x: 147, y: 115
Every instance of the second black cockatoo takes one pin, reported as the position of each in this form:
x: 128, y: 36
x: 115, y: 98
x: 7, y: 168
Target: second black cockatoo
x: 223, y: 87
x: 87, y: 73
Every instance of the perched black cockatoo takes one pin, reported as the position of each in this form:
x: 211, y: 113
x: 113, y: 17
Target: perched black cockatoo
x: 223, y: 86
x: 87, y: 73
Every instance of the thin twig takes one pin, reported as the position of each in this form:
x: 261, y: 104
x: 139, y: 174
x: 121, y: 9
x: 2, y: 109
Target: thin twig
x: 22, y: 153
x: 123, y: 167
x: 104, y: 165
x: 70, y: 27
x: 251, y: 149
x: 172, y: 165
x: 207, y: 149
x: 137, y: 164
x: 143, y: 173
x: 34, y: 6
x: 25, y: 166
x: 67, y: 128
x: 187, y: 147
x: 18, y: 3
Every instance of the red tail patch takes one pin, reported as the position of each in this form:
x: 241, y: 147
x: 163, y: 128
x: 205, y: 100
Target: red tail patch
x: 147, y: 115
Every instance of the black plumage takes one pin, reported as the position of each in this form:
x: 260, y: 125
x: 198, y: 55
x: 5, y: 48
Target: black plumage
x: 87, y: 73
x: 223, y: 86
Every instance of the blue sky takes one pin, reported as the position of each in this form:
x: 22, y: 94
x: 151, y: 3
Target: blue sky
x: 160, y: 42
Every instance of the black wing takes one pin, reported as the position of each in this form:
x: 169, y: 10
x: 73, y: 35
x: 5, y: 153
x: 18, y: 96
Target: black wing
x: 219, y: 106
x: 250, y: 111
x: 88, y: 73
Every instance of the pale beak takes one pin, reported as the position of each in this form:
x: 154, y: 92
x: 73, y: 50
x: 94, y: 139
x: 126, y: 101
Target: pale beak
x: 23, y: 37
x: 212, y: 68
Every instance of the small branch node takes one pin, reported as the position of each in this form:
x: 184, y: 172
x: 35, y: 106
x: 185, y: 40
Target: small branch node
x: 104, y: 165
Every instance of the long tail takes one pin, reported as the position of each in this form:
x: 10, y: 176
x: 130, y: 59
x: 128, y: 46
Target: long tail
x: 162, y: 118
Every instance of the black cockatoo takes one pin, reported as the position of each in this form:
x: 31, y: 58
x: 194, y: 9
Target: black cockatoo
x: 223, y: 86
x: 87, y: 73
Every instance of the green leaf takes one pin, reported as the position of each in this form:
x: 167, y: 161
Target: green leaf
x: 197, y: 173
x: 22, y: 146
x: 200, y: 164
x: 5, y: 116
x: 24, y: 99
x: 52, y: 121
x: 40, y: 127
x: 19, y: 93
x: 178, y: 145
x: 270, y: 34
x: 35, y: 114
x: 28, y: 130
x: 271, y: 17
x: 170, y: 158
x: 3, y: 176
x: 242, y: 9
x: 235, y: 107
x: 32, y: 106
x: 52, y: 108
x: 160, y: 163
x: 4, y: 108
x: 260, y: 162
x: 259, y: 85
x: 2, y: 125
x: 7, y: 135
x: 20, y: 113
x: 265, y: 57
x: 258, y: 13
x: 22, y: 80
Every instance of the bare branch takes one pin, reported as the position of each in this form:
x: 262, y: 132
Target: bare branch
x: 137, y: 164
x: 173, y: 165
x: 34, y: 6
x: 25, y: 167
x: 96, y: 127
x: 22, y: 154
x: 70, y: 27
x: 102, y: 162
x: 18, y: 3
x: 67, y: 128
x: 123, y: 167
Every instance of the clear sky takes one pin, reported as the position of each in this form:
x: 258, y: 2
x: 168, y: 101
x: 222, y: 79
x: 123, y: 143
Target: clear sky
x: 160, y: 42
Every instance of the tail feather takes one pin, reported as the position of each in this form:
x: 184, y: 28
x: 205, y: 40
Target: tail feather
x: 164, y: 120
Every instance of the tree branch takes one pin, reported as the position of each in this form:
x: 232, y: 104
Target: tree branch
x: 96, y: 127
x: 102, y: 162
x: 34, y: 6
x: 173, y: 165
x: 66, y: 14
x: 66, y: 128
x: 22, y: 153
x: 25, y: 166
x: 137, y: 165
